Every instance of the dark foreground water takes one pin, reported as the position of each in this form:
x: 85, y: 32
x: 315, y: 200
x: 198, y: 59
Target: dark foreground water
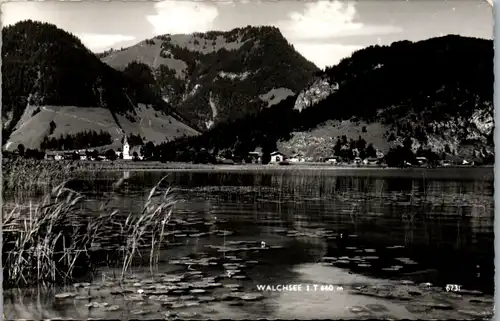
x: 352, y: 243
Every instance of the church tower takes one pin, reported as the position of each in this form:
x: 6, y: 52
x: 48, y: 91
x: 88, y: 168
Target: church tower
x: 126, y: 149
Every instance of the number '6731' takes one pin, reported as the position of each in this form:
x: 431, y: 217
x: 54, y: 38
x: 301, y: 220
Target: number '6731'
x: 452, y: 287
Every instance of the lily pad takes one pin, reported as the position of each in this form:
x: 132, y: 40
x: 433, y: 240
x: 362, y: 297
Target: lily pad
x: 113, y: 307
x: 194, y: 273
x: 364, y: 265
x: 406, y: 260
x: 97, y: 305
x: 231, y: 266
x: 214, y: 285
x: 358, y: 310
x: 252, y: 296
x: 177, y: 305
x: 188, y: 315
x: 342, y: 262
x: 139, y: 312
x: 206, y: 298
x: 439, y: 306
x: 191, y: 303
x: 65, y: 295
x: 209, y: 310
x: 137, y: 298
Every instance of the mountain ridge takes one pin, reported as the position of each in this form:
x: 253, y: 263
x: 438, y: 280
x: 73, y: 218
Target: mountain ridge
x: 218, y: 76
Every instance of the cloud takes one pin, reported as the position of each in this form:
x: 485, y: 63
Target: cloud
x: 13, y: 12
x: 97, y: 42
x: 329, y: 19
x: 323, y: 55
x: 178, y: 17
x: 53, y: 12
x: 316, y: 30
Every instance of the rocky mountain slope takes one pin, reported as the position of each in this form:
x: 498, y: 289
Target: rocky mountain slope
x: 49, y: 76
x: 426, y: 91
x: 217, y: 76
x: 434, y: 94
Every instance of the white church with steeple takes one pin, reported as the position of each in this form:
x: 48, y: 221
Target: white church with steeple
x: 126, y: 149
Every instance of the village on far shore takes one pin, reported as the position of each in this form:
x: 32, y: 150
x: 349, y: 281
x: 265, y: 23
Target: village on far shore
x: 136, y: 153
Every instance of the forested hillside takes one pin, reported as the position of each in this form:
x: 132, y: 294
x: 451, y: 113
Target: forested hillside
x: 434, y: 95
x: 49, y: 75
x: 218, y: 76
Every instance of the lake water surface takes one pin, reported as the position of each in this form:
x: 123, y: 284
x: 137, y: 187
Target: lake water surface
x: 384, y: 243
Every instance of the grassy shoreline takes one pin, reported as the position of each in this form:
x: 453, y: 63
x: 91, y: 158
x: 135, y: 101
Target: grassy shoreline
x: 24, y: 177
x: 120, y: 165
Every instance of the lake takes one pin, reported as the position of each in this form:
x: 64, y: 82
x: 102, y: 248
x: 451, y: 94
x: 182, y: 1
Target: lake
x: 358, y: 243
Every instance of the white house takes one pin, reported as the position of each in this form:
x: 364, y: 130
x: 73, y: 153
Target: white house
x: 82, y: 153
x: 298, y: 158
x: 422, y: 160
x: 255, y: 157
x: 370, y: 161
x: 333, y: 160
x: 277, y: 157
x: 53, y: 155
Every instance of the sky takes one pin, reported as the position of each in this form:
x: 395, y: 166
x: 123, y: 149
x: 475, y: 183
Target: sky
x: 322, y: 31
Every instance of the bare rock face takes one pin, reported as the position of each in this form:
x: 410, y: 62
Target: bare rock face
x: 318, y: 91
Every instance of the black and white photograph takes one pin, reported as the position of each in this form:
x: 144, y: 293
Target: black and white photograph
x: 245, y: 160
